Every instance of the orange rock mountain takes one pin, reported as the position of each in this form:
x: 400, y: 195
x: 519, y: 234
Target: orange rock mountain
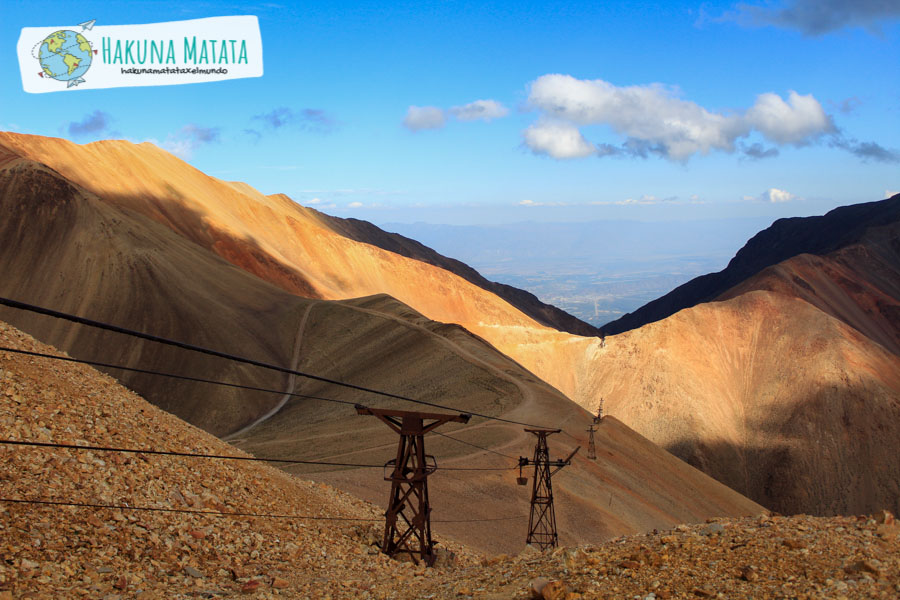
x: 94, y: 254
x: 764, y: 389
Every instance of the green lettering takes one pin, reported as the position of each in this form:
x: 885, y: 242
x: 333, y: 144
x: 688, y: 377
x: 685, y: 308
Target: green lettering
x: 157, y: 50
x: 117, y: 57
x: 243, y: 56
x: 204, y: 57
x: 190, y: 51
x: 107, y: 50
x: 223, y: 54
x: 128, y: 57
x: 170, y: 57
x: 137, y: 52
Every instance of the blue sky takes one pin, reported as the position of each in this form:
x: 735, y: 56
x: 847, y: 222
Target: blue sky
x: 665, y: 111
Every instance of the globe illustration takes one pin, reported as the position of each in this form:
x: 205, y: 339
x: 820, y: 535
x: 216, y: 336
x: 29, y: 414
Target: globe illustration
x: 65, y: 55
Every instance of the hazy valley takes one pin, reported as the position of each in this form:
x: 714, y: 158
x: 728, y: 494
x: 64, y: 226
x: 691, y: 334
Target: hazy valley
x: 596, y: 271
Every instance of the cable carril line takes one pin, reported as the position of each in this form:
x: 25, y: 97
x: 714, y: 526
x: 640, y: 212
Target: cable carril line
x: 210, y: 352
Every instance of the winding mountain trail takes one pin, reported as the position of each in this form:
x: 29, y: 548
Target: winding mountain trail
x: 290, y: 384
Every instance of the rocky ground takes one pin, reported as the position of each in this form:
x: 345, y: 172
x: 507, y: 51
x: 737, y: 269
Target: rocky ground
x: 762, y: 557
x: 116, y: 554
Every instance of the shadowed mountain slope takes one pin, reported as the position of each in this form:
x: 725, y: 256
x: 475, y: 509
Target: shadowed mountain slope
x: 784, y: 239
x: 858, y: 283
x: 769, y: 395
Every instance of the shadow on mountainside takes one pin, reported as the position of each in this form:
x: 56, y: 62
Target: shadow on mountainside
x: 849, y: 467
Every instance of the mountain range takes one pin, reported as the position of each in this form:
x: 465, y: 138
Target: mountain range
x: 132, y: 236
x: 779, y: 380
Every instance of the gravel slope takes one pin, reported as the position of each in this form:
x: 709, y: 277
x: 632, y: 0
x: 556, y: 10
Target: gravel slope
x: 69, y: 552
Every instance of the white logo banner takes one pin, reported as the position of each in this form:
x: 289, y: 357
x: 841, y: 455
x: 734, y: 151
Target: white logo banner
x: 89, y: 56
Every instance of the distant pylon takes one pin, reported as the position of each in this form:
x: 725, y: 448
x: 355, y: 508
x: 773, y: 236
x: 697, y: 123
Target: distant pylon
x: 542, y: 520
x: 407, y: 527
x: 599, y: 416
x: 592, y: 449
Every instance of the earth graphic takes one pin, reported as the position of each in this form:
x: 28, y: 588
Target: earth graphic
x: 65, y: 55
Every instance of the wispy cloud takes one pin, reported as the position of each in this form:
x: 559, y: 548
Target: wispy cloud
x: 757, y: 151
x: 276, y: 118
x: 655, y: 120
x: 94, y: 123
x: 188, y: 139
x: 866, y: 151
x: 816, y: 17
x: 419, y: 118
x: 315, y: 120
x: 847, y: 106
x: 484, y: 110
x: 533, y: 203
x: 644, y: 200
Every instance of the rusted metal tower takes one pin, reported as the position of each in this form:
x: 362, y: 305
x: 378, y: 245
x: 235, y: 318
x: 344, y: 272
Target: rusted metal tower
x: 599, y: 416
x: 407, y: 527
x: 542, y: 520
x: 592, y: 449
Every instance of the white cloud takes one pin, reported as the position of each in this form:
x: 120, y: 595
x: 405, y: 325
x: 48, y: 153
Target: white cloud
x: 486, y: 110
x: 655, y: 120
x: 774, y: 195
x: 424, y: 117
x: 314, y: 201
x: 557, y: 139
x: 644, y: 200
x: 355, y: 205
x: 533, y: 203
x: 650, y: 114
x: 890, y: 193
x: 797, y: 121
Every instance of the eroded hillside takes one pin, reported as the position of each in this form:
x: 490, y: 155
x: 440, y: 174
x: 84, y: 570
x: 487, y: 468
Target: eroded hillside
x: 745, y: 388
x: 72, y: 251
x: 74, y: 551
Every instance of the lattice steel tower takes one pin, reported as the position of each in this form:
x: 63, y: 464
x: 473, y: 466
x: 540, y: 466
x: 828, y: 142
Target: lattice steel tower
x: 407, y: 527
x: 542, y: 520
x: 592, y: 449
